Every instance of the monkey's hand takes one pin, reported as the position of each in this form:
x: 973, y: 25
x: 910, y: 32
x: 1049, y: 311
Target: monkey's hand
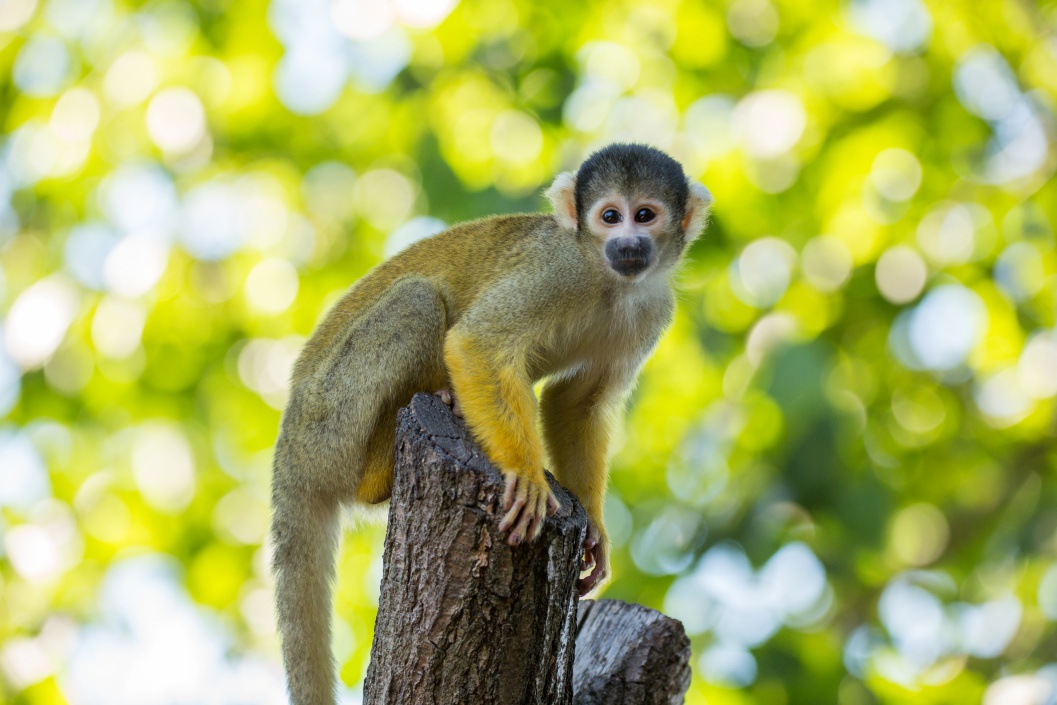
x: 595, y: 560
x: 527, y: 502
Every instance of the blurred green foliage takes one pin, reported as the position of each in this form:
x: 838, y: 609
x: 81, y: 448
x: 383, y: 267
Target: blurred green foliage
x: 837, y: 469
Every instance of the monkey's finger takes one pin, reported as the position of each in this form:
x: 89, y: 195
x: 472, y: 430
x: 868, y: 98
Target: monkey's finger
x: 538, y: 517
x: 534, y: 508
x: 552, y: 504
x: 521, y: 529
x: 515, y: 498
x: 587, y: 561
x: 592, y: 537
x: 594, y: 578
x: 586, y: 584
x: 591, y: 541
x: 536, y: 528
x: 516, y: 510
x: 450, y: 400
x: 511, y: 488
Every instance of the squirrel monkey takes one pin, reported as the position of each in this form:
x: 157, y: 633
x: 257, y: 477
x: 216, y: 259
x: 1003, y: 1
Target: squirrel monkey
x: 484, y: 309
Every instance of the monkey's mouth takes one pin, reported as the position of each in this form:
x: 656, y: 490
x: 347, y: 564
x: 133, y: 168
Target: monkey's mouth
x: 629, y: 267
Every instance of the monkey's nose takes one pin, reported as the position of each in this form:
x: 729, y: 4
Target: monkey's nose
x: 629, y: 255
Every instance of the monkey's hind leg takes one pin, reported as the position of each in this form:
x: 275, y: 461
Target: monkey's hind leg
x: 328, y: 452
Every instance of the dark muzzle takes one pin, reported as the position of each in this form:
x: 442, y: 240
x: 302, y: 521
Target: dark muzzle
x: 629, y: 255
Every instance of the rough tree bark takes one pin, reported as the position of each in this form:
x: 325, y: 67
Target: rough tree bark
x: 464, y: 618
x: 629, y: 655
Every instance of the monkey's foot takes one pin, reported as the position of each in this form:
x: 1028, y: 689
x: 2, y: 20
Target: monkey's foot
x: 448, y: 397
x: 527, y: 504
x: 595, y: 561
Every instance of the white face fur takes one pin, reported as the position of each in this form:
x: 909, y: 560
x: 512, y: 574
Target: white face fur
x: 629, y: 230
x: 616, y: 216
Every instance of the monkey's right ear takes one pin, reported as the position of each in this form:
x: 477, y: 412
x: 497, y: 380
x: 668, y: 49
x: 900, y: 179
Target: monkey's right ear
x: 562, y: 195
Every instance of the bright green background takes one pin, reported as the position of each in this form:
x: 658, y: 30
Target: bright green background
x: 862, y: 369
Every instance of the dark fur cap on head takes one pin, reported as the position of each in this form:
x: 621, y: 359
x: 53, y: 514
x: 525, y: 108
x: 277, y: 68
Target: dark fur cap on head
x: 631, y: 169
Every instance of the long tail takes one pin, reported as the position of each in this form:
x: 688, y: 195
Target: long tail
x: 305, y: 532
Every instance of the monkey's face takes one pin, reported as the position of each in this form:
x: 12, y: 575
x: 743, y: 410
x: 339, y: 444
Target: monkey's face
x: 633, y: 233
x: 635, y: 204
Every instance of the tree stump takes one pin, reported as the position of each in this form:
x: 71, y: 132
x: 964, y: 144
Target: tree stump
x: 465, y: 618
x: 629, y: 655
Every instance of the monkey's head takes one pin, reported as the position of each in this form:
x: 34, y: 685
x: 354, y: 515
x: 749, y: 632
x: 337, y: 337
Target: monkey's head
x: 635, y: 204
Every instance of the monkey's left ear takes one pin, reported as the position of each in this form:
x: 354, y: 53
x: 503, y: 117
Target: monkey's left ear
x: 562, y: 195
x: 697, y: 208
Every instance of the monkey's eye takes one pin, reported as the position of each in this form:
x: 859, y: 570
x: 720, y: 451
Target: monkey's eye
x: 644, y: 215
x: 611, y: 216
